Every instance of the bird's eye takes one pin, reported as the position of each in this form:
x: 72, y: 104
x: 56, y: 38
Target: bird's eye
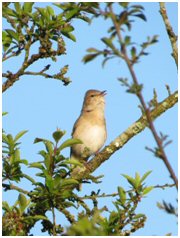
x: 92, y: 95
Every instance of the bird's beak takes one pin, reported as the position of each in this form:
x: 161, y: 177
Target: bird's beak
x: 103, y: 93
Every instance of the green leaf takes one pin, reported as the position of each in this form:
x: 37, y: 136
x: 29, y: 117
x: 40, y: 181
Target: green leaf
x: 69, y: 181
x: 66, y: 194
x: 89, y: 57
x: 69, y: 143
x: 23, y: 202
x: 47, y: 143
x: 23, y: 161
x: 19, y: 135
x: 106, y: 60
x: 36, y: 165
x: 123, y: 19
x: 145, y: 175
x: 9, y: 12
x: 42, y: 11
x: 17, y: 155
x: 40, y: 175
x: 43, y: 153
x: 37, y: 140
x: 6, y: 207
x: 124, y: 4
x: 69, y: 35
x: 5, y: 139
x: 57, y: 135
x: 39, y: 186
x: 13, y: 34
x: 133, y: 52
x: 154, y: 39
x: 57, y: 181
x: 92, y: 50
x: 10, y: 140
x: 6, y: 40
x: 147, y: 190
x: 127, y: 40
x: 122, y: 195
x: 17, y: 6
x: 49, y: 146
x: 108, y: 42
x: 113, y: 218
x: 137, y: 180
x: 47, y: 161
x: 50, y: 10
x: 4, y: 113
x: 135, y: 88
x: 142, y: 16
x: 130, y: 180
x: 60, y: 5
x: 71, y: 13
x: 140, y: 215
x: 27, y: 7
x: 67, y: 29
x: 69, y: 204
x: 49, y: 183
x: 84, y: 18
x: 137, y: 6
x: 29, y: 178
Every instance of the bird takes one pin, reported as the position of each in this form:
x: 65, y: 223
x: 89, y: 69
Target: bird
x: 90, y: 127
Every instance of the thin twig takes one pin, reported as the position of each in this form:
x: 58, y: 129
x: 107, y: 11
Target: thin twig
x: 141, y: 98
x: 165, y: 186
x: 15, y: 77
x: 170, y: 32
x: 116, y: 194
x: 54, y: 221
x: 99, y: 196
x: 9, y: 56
x: 38, y: 74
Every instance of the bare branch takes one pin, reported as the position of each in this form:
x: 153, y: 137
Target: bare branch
x: 141, y: 99
x: 103, y: 195
x: 170, y: 32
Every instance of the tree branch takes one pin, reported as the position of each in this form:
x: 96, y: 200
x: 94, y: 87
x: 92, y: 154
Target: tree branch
x: 103, y: 195
x: 67, y: 214
x: 121, y: 140
x: 13, y: 187
x: 12, y: 78
x: 139, y: 94
x: 170, y: 32
x: 30, y: 60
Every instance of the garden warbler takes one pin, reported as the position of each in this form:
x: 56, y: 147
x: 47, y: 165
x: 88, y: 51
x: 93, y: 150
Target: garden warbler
x: 90, y: 127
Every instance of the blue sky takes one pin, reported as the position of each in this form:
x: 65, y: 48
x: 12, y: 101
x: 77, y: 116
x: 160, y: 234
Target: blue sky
x: 41, y: 105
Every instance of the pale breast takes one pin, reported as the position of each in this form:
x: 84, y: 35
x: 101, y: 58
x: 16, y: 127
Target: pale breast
x: 92, y: 136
